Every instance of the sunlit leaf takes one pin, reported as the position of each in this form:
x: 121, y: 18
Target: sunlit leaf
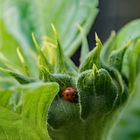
x: 23, y: 111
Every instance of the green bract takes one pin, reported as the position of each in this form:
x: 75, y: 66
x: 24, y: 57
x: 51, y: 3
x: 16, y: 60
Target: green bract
x: 36, y: 109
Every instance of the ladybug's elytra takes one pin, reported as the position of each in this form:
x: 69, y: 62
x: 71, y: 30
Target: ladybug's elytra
x: 70, y: 94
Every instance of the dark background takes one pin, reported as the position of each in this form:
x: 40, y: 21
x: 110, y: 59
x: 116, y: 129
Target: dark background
x: 113, y: 14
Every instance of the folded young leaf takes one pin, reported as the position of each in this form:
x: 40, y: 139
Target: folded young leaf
x: 93, y: 57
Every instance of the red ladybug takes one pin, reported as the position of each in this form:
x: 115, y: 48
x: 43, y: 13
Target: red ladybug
x: 70, y: 94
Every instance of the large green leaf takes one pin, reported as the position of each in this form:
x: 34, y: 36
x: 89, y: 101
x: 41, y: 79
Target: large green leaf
x: 23, y: 17
x: 8, y: 51
x: 125, y: 48
x: 128, y: 127
x: 23, y: 111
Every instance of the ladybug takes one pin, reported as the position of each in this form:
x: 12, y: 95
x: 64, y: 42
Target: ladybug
x: 70, y: 94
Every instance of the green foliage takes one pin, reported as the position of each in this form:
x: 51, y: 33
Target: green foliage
x: 101, y: 91
x: 128, y: 126
x: 23, y: 111
x: 38, y: 107
x: 35, y: 16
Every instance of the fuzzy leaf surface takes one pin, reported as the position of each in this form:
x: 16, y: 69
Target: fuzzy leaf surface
x: 23, y: 111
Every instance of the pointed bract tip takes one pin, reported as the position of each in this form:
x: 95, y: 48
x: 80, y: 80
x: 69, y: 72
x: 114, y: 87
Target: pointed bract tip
x: 53, y: 28
x: 94, y: 67
x: 80, y: 28
x: 33, y: 37
x: 98, y: 42
x: 20, y: 55
x: 35, y: 42
x: 113, y: 33
x: 54, y: 31
x: 97, y: 38
x: 6, y: 71
x: 128, y: 43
